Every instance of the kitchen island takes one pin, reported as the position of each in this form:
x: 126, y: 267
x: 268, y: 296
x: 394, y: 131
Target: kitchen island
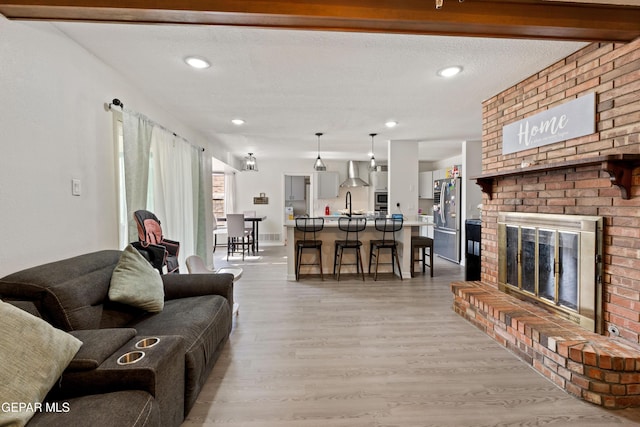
x: 331, y: 233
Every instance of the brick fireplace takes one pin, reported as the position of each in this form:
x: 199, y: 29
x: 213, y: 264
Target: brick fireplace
x: 594, y: 175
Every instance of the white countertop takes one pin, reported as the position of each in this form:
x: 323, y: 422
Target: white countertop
x: 332, y: 221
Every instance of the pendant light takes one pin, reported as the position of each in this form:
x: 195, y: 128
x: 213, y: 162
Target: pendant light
x: 319, y: 164
x: 250, y: 164
x: 372, y: 162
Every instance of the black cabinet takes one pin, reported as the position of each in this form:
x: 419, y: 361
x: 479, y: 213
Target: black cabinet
x: 473, y: 229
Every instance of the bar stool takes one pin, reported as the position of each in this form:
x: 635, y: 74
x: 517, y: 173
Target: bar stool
x: 309, y: 227
x: 388, y: 226
x: 351, y: 226
x: 421, y: 243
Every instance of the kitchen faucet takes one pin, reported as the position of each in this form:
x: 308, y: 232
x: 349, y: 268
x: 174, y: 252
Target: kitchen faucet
x: 347, y: 202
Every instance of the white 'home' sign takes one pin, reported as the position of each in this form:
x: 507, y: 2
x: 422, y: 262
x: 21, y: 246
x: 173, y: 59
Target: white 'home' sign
x: 570, y: 120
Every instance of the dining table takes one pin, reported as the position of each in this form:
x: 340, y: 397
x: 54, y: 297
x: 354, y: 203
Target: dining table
x: 255, y: 221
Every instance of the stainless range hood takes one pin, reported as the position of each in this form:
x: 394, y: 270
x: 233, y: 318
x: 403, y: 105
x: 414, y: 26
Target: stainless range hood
x: 353, y: 179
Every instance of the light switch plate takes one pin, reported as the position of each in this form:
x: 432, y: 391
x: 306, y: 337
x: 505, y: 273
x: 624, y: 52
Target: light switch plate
x: 76, y: 187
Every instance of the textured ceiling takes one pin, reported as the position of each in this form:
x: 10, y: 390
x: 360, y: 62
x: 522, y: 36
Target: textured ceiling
x: 290, y: 84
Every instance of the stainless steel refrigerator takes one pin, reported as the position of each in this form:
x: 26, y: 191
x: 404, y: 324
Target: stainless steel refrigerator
x: 446, y: 216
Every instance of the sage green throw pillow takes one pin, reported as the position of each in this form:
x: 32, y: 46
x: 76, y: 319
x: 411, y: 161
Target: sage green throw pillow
x: 136, y: 283
x: 33, y: 355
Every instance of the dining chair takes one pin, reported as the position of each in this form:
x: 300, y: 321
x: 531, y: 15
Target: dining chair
x: 219, y: 228
x: 237, y: 235
x: 352, y: 227
x: 389, y: 227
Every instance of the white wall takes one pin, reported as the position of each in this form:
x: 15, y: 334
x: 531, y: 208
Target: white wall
x: 471, y: 166
x: 403, y: 178
x: 448, y: 162
x: 53, y: 128
x: 471, y: 193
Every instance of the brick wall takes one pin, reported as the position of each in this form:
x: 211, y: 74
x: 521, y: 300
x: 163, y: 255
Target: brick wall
x: 612, y: 71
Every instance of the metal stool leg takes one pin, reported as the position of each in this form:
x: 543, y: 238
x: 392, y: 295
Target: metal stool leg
x: 395, y: 254
x: 375, y: 276
x: 298, y: 256
x: 341, y: 249
x: 431, y: 260
x: 413, y: 261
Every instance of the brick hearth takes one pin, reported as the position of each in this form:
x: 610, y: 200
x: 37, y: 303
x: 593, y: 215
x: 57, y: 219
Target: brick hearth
x: 599, y: 369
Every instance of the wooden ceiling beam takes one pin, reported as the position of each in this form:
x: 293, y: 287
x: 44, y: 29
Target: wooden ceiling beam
x: 533, y: 19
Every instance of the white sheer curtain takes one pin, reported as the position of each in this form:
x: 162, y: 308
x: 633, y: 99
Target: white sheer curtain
x: 136, y: 142
x: 173, y: 191
x: 229, y: 193
x: 164, y: 174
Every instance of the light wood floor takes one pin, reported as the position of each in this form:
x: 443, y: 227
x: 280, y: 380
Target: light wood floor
x: 374, y: 354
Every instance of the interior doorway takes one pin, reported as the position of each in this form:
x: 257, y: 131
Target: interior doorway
x: 297, y: 195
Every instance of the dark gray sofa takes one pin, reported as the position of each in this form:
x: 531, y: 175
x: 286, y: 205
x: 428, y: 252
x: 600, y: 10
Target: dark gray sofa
x: 193, y: 327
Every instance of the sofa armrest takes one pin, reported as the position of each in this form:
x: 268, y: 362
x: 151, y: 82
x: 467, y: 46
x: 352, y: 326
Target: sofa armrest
x: 97, y: 346
x: 160, y: 372
x: 191, y: 285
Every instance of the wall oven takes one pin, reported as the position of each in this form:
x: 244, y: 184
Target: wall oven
x: 380, y: 202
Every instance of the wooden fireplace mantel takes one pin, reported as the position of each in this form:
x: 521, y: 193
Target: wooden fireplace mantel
x: 619, y: 166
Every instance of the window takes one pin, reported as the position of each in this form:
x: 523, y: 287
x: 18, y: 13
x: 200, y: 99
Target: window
x: 218, y: 196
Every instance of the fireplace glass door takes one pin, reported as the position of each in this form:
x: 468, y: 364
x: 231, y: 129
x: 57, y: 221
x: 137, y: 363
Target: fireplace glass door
x: 554, y: 260
x: 544, y: 263
x: 547, y: 265
x: 513, y: 254
x: 568, y: 274
x: 528, y: 259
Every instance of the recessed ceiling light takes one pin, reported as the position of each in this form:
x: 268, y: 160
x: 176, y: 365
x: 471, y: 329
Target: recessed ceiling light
x: 237, y: 122
x: 391, y: 124
x: 450, y: 71
x: 197, y: 62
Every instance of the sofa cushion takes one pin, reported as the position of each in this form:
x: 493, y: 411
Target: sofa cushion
x: 133, y: 408
x: 136, y: 283
x: 71, y: 294
x: 34, y: 354
x: 204, y: 322
x: 97, y: 346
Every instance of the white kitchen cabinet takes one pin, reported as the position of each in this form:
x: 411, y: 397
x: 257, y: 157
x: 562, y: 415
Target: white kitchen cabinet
x: 294, y: 188
x: 427, y: 231
x: 439, y: 174
x: 425, y: 185
x: 327, y: 184
x: 379, y: 181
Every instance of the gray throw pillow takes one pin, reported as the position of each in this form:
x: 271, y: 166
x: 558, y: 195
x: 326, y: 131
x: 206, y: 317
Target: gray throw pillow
x: 136, y: 283
x: 33, y: 355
